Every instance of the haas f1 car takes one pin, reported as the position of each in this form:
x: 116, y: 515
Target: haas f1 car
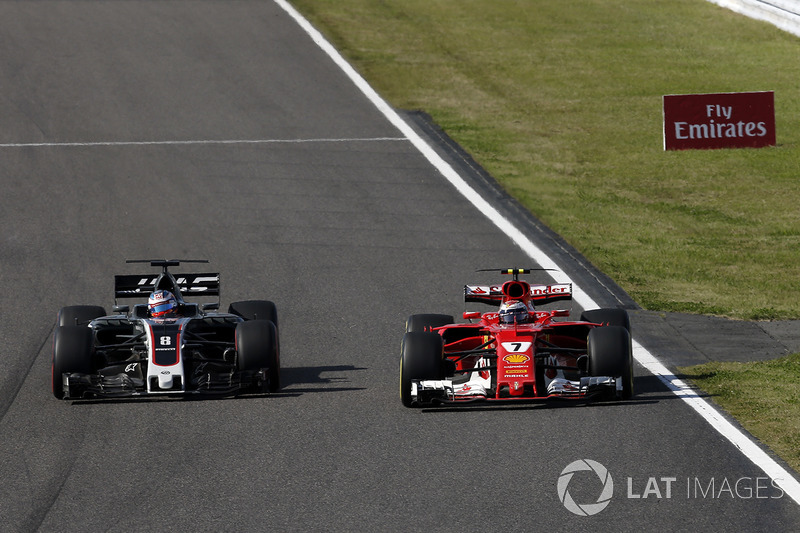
x: 516, y: 352
x: 167, y: 346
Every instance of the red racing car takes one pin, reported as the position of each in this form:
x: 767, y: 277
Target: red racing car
x: 516, y: 352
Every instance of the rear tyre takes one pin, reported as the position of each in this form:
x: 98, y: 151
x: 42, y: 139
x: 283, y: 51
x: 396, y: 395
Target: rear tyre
x: 420, y: 359
x: 72, y: 353
x: 257, y: 348
x: 608, y: 317
x: 423, y: 322
x: 610, y: 354
x: 79, y: 315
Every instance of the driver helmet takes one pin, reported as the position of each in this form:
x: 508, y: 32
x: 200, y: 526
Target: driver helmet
x: 513, y: 312
x: 162, y: 304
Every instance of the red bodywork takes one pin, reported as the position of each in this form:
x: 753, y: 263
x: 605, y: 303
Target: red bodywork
x: 526, y: 355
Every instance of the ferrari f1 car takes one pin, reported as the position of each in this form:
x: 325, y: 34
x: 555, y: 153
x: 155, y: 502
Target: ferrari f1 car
x: 193, y: 349
x: 517, y: 351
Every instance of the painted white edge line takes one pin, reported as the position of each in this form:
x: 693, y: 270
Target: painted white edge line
x: 207, y: 141
x: 784, y: 479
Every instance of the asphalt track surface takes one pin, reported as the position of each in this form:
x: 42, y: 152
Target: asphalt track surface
x: 218, y: 130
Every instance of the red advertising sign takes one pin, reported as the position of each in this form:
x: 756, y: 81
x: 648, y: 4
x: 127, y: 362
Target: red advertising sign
x: 722, y: 120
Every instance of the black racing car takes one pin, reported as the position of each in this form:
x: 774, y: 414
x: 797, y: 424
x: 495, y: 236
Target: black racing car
x: 193, y: 350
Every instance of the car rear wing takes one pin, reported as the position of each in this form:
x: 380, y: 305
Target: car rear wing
x: 194, y: 284
x: 539, y: 294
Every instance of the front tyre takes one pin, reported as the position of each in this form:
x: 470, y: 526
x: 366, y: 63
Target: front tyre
x: 610, y: 354
x: 79, y: 315
x: 255, y: 310
x: 426, y: 321
x: 257, y: 348
x: 72, y: 353
x: 258, y: 310
x: 608, y: 317
x: 421, y: 356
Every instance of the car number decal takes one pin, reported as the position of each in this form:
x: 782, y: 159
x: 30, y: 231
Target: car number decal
x: 517, y: 346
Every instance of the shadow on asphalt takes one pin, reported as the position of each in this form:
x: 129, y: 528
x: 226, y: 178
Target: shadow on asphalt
x: 534, y: 405
x: 313, y: 375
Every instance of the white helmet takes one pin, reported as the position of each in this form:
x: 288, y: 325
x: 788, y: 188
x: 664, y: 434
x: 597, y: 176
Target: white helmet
x: 514, y: 312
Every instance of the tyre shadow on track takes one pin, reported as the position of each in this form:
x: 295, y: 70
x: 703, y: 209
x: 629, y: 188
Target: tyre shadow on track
x: 318, y: 375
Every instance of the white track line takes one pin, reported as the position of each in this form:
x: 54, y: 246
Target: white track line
x: 783, y: 14
x: 208, y: 141
x: 744, y: 443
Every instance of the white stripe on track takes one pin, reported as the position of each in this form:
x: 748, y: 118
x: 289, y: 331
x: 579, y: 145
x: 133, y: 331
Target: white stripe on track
x: 783, y: 478
x: 208, y: 141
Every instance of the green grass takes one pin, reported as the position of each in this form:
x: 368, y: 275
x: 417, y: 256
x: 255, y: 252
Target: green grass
x: 561, y: 103
x: 764, y: 397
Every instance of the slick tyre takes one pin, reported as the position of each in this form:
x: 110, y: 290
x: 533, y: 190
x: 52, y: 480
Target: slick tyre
x: 257, y: 348
x: 258, y: 310
x: 610, y: 354
x: 79, y: 315
x: 420, y: 359
x: 423, y: 322
x: 608, y: 317
x: 72, y: 353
